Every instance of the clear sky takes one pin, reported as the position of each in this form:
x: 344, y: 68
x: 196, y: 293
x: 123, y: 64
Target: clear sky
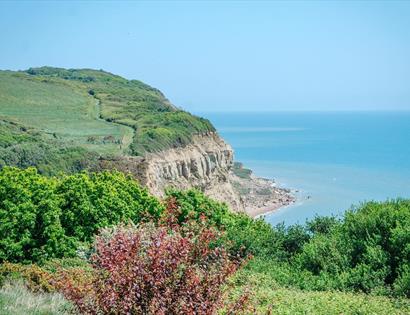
x: 225, y: 56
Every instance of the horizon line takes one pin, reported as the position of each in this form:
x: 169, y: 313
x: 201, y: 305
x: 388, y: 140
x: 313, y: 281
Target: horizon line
x: 298, y: 111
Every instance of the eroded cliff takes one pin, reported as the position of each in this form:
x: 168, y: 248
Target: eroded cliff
x: 205, y: 164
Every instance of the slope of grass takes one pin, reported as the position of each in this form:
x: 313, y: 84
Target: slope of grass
x: 96, y: 110
x: 16, y: 299
x: 24, y: 147
x: 269, y: 296
x: 63, y: 110
x: 156, y: 122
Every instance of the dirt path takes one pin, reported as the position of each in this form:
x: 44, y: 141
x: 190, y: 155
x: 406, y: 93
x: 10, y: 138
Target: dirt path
x: 129, y: 133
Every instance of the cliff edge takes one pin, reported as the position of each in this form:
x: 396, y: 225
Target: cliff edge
x: 205, y: 164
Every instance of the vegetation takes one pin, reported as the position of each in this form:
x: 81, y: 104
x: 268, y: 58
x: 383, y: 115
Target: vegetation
x: 270, y: 297
x: 17, y: 299
x: 64, y: 110
x: 25, y: 147
x: 96, y: 110
x: 241, y: 171
x: 357, y: 264
x: 44, y: 218
x: 108, y: 246
x: 152, y: 270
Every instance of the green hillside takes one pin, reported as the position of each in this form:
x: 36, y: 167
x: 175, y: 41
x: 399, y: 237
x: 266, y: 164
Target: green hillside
x: 92, y: 110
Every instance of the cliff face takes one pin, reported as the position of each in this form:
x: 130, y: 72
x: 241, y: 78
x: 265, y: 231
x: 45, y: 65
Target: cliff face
x: 205, y: 164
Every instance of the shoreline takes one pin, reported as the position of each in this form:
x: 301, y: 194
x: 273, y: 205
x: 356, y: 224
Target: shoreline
x: 261, y: 212
x: 258, y: 212
x: 259, y: 196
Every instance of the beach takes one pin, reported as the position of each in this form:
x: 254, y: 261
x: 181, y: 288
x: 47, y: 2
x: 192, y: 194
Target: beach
x: 259, y: 195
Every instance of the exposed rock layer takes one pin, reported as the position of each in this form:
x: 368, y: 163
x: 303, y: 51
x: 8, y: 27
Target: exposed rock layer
x: 205, y: 164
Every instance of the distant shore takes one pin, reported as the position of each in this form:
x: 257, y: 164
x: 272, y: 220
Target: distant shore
x: 273, y: 205
x: 259, y: 195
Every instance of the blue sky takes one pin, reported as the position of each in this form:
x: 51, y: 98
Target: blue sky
x: 226, y: 56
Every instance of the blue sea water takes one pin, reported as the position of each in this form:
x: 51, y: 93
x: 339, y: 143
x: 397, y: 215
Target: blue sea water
x: 332, y: 159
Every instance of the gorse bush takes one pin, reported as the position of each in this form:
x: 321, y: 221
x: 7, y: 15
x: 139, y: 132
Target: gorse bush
x: 30, y: 216
x: 43, y: 218
x: 368, y: 250
x: 193, y: 204
x: 92, y: 201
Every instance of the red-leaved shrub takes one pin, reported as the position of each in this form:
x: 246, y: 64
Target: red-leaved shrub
x: 147, y: 269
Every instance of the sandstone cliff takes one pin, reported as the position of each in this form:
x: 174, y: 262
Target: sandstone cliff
x: 204, y: 164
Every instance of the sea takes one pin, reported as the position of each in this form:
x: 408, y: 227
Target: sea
x: 332, y: 161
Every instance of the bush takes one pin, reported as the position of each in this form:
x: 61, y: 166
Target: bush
x: 30, y: 216
x: 368, y: 250
x: 34, y: 277
x: 43, y: 218
x: 93, y: 201
x: 148, y: 270
x: 193, y: 204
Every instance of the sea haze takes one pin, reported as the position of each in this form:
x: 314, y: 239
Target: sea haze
x: 333, y: 159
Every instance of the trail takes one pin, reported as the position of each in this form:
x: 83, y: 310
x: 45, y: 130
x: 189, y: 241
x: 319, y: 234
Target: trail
x: 128, y: 136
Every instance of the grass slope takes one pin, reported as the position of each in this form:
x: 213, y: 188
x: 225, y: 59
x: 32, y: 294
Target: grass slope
x: 93, y: 111
x: 16, y: 299
x: 24, y: 147
x: 271, y: 297
x: 60, y: 109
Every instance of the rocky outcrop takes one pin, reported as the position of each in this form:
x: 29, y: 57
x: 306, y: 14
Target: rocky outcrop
x: 204, y: 164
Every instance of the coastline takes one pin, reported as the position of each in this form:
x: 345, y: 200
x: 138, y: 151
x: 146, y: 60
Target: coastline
x: 259, y: 195
x: 260, y: 212
x: 273, y: 205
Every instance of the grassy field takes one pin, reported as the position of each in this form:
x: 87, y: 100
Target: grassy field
x: 96, y: 110
x: 61, y: 109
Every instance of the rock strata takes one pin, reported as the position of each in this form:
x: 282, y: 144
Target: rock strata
x: 205, y: 164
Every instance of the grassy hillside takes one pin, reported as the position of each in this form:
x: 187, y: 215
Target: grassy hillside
x: 54, y: 107
x: 94, y: 111
x: 23, y: 147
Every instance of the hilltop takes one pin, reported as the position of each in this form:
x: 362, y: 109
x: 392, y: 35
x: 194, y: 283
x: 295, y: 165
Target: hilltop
x: 88, y: 111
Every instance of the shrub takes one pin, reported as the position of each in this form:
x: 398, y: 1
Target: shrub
x: 248, y: 236
x: 43, y: 218
x: 30, y: 216
x: 321, y: 225
x: 368, y: 250
x: 34, y: 277
x: 193, y: 204
x: 93, y: 201
x: 148, y: 270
